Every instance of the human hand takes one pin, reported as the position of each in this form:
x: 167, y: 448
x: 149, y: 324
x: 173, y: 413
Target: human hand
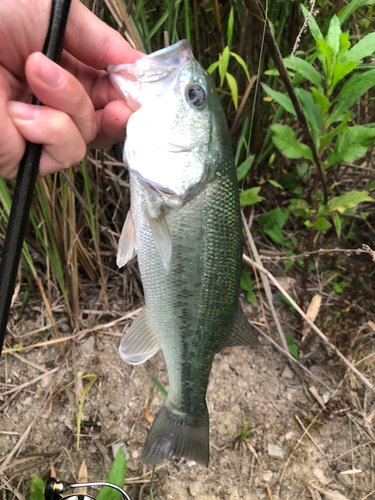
x: 81, y: 105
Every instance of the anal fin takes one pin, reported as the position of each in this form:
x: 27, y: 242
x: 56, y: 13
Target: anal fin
x: 162, y: 238
x: 139, y: 343
x: 127, y: 245
x: 242, y: 332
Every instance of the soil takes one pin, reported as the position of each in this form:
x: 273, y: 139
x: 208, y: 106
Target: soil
x: 259, y: 408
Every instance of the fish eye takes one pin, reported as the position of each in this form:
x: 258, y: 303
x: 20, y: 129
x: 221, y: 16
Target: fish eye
x: 196, y: 95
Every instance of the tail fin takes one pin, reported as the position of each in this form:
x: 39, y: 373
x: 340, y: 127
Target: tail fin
x: 174, y: 433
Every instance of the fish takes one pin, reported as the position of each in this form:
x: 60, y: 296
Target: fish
x: 184, y: 224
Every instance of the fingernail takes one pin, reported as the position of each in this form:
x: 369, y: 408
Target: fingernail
x: 49, y: 72
x: 22, y: 111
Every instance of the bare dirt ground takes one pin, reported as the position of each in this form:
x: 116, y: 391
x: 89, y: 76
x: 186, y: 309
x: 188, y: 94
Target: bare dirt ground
x: 296, y: 448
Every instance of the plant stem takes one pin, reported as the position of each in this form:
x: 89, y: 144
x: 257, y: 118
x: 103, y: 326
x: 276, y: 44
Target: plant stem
x: 310, y: 241
x: 152, y: 483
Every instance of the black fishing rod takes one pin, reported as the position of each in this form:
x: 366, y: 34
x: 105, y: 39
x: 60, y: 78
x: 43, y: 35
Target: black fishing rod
x: 26, y: 178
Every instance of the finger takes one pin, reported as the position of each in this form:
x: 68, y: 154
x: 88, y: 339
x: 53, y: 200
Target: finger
x: 96, y: 83
x: 112, y: 122
x: 12, y: 144
x: 63, y: 144
x: 94, y: 42
x: 59, y: 89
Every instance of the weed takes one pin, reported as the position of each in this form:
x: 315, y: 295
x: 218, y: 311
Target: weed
x: 328, y: 118
x: 160, y: 387
x: 223, y: 63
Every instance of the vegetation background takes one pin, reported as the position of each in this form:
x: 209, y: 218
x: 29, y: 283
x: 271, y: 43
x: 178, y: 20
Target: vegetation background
x: 302, y: 189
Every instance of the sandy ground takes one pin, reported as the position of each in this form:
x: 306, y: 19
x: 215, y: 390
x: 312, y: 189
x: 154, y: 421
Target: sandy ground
x: 333, y: 459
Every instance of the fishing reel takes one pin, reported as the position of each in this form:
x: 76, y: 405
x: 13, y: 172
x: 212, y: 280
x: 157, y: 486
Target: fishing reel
x: 55, y: 488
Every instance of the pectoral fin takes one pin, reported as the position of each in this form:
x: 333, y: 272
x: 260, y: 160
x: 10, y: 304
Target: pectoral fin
x: 127, y: 245
x: 139, y: 343
x: 162, y: 238
x: 242, y: 332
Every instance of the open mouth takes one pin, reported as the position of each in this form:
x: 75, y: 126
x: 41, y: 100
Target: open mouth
x: 131, y: 80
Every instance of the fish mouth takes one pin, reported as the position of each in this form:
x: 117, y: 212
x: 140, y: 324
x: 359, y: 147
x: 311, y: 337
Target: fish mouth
x: 129, y: 79
x: 157, y: 65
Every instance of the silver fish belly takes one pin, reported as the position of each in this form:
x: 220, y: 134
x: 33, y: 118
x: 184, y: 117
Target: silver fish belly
x: 185, y: 226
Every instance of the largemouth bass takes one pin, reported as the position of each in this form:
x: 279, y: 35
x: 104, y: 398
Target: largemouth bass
x: 185, y: 226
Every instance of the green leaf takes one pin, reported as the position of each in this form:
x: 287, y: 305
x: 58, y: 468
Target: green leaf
x: 280, y: 98
x: 115, y: 476
x: 337, y: 222
x: 274, y: 72
x: 305, y: 69
x: 339, y: 287
x: 247, y: 285
x: 351, y: 145
x: 347, y: 101
x: 348, y: 10
x: 213, y: 66
x: 340, y: 70
x: 250, y: 196
x: 233, y: 88
x: 321, y: 100
x: 352, y: 90
x: 14, y: 348
x: 160, y: 387
x: 326, y: 57
x: 287, y: 144
x: 276, y: 184
x: 246, y: 282
x: 322, y: 224
x: 293, y: 349
x: 370, y: 185
x: 223, y: 66
x: 359, y: 81
x: 275, y: 234
x: 313, y: 27
x: 275, y: 216
x: 303, y: 171
x: 311, y: 109
x: 364, y: 48
x: 243, y: 169
x: 242, y: 62
x: 273, y: 222
x: 301, y: 209
x: 230, y: 26
x: 251, y: 297
x: 327, y: 138
x: 298, y: 191
x: 36, y: 488
x: 344, y: 44
x: 333, y: 35
x: 348, y: 200
x: 158, y: 25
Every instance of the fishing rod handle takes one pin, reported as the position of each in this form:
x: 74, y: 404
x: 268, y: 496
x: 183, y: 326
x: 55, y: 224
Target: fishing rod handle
x: 26, y: 178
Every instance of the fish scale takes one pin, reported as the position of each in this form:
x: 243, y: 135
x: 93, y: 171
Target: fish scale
x: 188, y: 237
